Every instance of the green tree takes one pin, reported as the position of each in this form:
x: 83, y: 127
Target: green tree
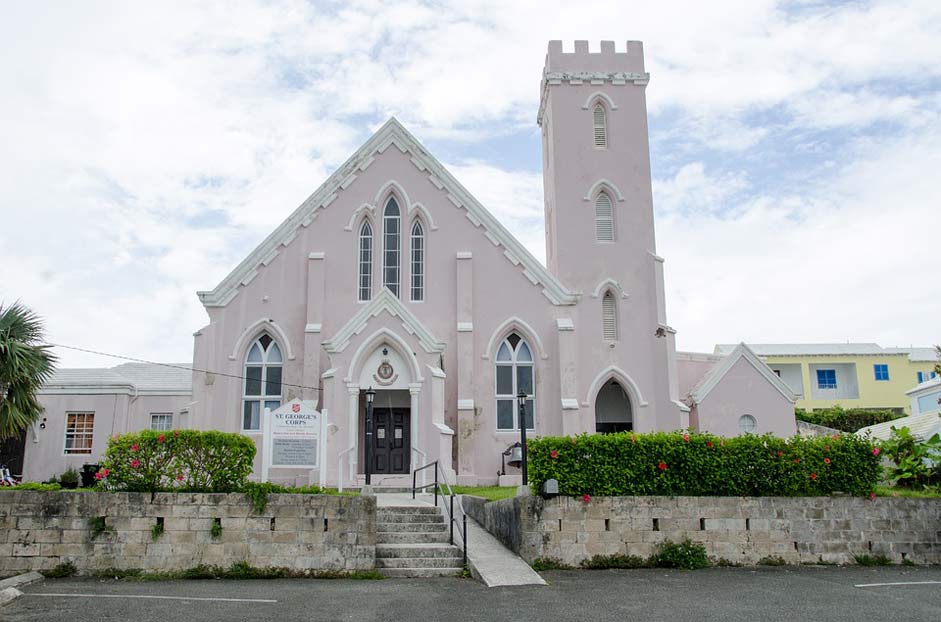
x: 25, y: 364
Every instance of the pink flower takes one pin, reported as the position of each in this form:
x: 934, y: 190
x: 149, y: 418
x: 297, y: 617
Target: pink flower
x: 114, y: 437
x: 176, y: 433
x: 780, y: 453
x: 134, y: 447
x: 160, y: 438
x: 98, y: 475
x: 105, y: 472
x: 135, y: 463
x: 554, y: 453
x: 662, y: 466
x: 686, y: 437
x: 826, y: 461
x: 586, y: 498
x: 179, y: 477
x: 872, y: 496
x: 813, y: 476
x: 875, y: 451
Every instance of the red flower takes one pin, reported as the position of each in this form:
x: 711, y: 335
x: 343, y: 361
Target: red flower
x: 875, y: 451
x: 105, y: 472
x: 586, y: 498
x: 813, y: 476
x: 872, y: 496
x: 709, y: 444
x: 797, y: 460
x: 176, y: 433
x: 780, y: 453
x: 686, y: 437
x: 554, y: 453
x: 179, y: 477
x: 662, y: 466
x: 826, y: 461
x: 160, y: 438
x: 134, y: 447
x: 135, y: 463
x: 98, y: 475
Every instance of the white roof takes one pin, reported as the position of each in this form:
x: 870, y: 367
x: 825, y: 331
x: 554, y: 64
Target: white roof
x: 921, y: 426
x: 919, y: 354
x: 925, y: 386
x: 172, y: 378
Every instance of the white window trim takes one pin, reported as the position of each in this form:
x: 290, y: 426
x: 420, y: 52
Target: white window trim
x: 609, y: 295
x: 499, y: 397
x: 604, y: 126
x: 594, y: 204
x: 400, y: 272
x: 411, y: 262
x: 264, y: 381
x: 65, y: 436
x: 739, y: 424
x: 359, y: 260
x: 161, y: 414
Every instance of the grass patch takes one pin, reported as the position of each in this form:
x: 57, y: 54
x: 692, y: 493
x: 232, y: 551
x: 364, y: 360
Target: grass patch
x: 605, y: 562
x: 490, y: 493
x: 550, y: 563
x: 888, y: 491
x: 63, y: 570
x: 872, y: 560
x: 237, y: 571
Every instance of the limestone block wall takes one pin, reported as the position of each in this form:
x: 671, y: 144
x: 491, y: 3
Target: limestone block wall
x: 39, y: 530
x: 740, y: 530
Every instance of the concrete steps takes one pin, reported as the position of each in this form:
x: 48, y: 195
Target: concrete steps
x: 412, y: 541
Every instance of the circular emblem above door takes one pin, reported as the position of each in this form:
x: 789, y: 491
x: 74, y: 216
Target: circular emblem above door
x: 385, y: 370
x: 385, y: 373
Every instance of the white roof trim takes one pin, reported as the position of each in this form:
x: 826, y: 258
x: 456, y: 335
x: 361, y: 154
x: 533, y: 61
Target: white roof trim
x: 391, y: 133
x: 384, y: 301
x: 718, y: 372
x: 365, y: 207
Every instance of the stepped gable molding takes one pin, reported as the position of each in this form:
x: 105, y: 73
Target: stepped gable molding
x: 392, y: 133
x: 384, y: 301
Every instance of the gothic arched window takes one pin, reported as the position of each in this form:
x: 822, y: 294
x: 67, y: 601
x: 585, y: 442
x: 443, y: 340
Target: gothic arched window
x: 514, y: 373
x: 391, y: 223
x: 262, y: 385
x: 600, y: 126
x: 418, y: 262
x: 604, y: 218
x: 609, y: 317
x: 365, y: 262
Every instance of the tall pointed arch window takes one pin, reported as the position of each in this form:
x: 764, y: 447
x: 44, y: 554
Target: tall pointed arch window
x: 604, y: 218
x: 609, y: 317
x: 262, y: 384
x: 391, y: 249
x: 365, y: 262
x: 515, y: 373
x: 418, y: 262
x: 600, y: 127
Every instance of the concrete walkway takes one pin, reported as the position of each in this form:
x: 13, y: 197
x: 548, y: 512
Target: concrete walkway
x: 490, y: 561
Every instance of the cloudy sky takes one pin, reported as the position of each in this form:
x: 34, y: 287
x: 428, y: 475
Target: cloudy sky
x: 148, y: 147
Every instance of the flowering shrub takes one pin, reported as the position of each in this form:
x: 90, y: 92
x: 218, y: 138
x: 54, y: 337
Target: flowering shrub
x: 184, y: 460
x: 695, y: 464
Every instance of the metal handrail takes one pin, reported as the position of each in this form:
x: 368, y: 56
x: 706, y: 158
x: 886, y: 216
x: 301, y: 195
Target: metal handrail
x: 450, y: 493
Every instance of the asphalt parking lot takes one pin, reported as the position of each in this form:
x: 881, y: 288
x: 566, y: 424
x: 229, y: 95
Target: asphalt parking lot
x: 729, y: 594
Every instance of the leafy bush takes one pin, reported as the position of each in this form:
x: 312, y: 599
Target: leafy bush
x: 604, y: 562
x: 549, y: 563
x: 915, y: 465
x: 872, y: 560
x: 69, y: 479
x: 61, y: 571
x: 184, y: 460
x: 847, y: 420
x: 704, y: 465
x: 687, y: 555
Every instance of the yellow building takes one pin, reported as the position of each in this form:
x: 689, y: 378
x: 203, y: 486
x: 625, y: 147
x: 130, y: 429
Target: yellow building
x: 851, y: 375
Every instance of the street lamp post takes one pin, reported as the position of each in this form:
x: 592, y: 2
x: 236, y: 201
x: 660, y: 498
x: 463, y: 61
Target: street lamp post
x: 521, y: 398
x: 370, y: 396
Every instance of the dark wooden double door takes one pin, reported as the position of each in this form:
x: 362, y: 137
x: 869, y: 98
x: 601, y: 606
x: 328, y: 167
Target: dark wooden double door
x: 391, y: 441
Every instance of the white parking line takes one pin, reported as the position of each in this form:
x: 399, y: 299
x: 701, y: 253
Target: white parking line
x: 224, y: 600
x: 898, y: 583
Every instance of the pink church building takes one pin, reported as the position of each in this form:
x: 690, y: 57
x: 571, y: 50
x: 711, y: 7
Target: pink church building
x: 391, y: 276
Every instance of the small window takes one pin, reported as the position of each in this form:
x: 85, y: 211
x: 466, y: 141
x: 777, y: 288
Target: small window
x: 881, y: 372
x: 161, y: 422
x: 418, y: 262
x: 826, y: 378
x: 925, y: 376
x: 365, y: 262
x: 600, y: 126
x: 604, y: 218
x: 609, y: 317
x: 747, y: 424
x: 79, y: 432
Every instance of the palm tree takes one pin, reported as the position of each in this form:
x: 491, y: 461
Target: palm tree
x: 25, y: 365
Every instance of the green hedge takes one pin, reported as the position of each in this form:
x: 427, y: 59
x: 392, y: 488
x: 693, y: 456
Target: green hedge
x: 183, y: 460
x: 704, y: 465
x: 847, y: 420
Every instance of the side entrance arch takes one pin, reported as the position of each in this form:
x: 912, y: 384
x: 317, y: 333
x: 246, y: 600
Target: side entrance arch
x: 613, y: 411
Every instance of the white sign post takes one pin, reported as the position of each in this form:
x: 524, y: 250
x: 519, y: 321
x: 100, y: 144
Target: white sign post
x: 291, y: 437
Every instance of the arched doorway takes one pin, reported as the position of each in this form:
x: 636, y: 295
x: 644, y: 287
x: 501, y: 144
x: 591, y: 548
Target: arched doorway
x: 613, y: 412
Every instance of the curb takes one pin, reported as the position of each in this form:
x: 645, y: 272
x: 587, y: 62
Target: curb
x: 8, y: 591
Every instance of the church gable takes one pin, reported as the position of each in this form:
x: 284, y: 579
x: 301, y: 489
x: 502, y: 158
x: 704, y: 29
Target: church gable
x: 391, y: 136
